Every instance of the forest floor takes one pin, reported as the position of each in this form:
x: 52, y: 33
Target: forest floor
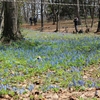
x: 67, y: 94
x: 65, y: 26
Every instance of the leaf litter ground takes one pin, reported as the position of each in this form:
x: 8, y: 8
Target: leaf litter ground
x: 60, y: 82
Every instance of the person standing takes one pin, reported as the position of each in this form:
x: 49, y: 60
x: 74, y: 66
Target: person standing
x: 30, y: 19
x: 35, y: 20
x: 76, y: 24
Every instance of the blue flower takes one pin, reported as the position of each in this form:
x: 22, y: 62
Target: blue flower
x: 74, y: 82
x: 21, y: 91
x: 81, y: 82
x: 30, y: 87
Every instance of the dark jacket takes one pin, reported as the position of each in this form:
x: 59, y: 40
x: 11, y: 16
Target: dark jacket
x: 76, y: 21
x: 30, y: 18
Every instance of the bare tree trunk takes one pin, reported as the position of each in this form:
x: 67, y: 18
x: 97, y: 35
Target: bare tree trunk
x: 78, y: 12
x: 57, y: 24
x: 42, y: 15
x: 33, y: 9
x: 92, y: 13
x: 28, y: 12
x: 2, y: 16
x: 98, y: 28
x: 24, y: 14
x: 92, y: 16
x: 54, y: 17
x: 11, y: 25
x: 85, y: 14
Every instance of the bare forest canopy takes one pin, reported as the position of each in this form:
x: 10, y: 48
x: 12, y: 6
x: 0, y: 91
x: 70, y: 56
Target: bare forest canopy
x: 57, y: 2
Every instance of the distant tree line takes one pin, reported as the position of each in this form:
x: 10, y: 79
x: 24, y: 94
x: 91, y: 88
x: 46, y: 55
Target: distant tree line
x: 13, y: 13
